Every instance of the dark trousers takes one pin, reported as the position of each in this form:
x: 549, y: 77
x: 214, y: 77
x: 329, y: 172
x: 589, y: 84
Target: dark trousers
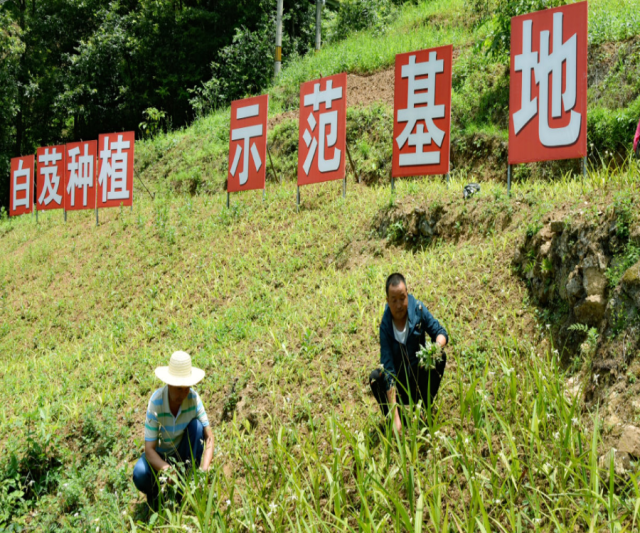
x: 413, y: 383
x: 191, y: 446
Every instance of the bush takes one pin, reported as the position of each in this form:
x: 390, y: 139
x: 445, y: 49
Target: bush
x: 358, y: 15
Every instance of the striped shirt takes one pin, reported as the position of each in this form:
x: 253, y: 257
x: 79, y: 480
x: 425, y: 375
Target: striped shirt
x: 167, y: 429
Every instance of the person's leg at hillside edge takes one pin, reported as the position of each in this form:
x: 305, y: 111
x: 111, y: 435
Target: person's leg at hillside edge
x: 191, y: 446
x: 416, y: 384
x: 144, y: 479
x: 190, y: 449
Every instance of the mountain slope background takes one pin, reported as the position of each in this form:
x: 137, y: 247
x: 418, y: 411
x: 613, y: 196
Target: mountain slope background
x: 281, y: 308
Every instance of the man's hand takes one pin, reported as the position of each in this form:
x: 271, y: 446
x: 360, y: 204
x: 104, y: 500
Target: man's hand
x: 441, y: 340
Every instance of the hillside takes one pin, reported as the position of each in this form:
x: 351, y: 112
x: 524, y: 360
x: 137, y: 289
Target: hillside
x: 281, y: 309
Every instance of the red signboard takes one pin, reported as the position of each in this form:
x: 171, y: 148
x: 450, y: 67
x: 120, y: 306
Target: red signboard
x: 323, y: 130
x: 115, y: 169
x: 50, y: 180
x: 248, y: 144
x: 548, y: 95
x: 80, y: 176
x: 422, y: 115
x: 21, y: 201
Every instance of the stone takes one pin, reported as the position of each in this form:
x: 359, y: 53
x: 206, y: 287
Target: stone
x: 635, y: 403
x: 545, y: 248
x: 634, y: 235
x: 574, y: 286
x: 546, y: 233
x: 630, y: 441
x: 425, y: 229
x: 630, y: 283
x: 591, y: 310
x: 573, y: 389
x: 611, y: 422
x: 595, y: 283
x: 557, y: 226
x: 621, y: 461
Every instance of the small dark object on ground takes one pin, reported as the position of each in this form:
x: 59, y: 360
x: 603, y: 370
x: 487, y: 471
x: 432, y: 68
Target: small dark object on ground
x: 470, y: 190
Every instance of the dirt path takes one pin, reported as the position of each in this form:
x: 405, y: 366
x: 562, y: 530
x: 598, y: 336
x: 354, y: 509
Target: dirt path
x: 362, y: 91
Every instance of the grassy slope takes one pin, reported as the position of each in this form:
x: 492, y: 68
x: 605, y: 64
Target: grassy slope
x: 288, y: 304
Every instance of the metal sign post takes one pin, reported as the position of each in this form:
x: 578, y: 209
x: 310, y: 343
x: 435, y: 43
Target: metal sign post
x: 318, y: 24
x: 298, y: 200
x: 278, y: 60
x: 508, y: 180
x: 273, y: 169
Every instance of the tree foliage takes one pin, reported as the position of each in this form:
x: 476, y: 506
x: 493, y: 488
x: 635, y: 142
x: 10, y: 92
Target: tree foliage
x: 71, y: 69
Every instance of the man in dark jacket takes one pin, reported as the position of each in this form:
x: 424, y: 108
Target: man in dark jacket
x: 405, y: 324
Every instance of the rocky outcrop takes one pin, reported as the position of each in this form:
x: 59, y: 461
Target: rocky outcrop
x: 574, y: 267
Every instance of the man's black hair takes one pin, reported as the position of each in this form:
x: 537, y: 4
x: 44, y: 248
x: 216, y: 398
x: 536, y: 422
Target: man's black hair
x: 394, y: 280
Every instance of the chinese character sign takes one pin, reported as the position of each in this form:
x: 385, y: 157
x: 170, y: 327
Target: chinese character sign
x: 50, y: 179
x: 80, y: 176
x: 248, y: 144
x: 21, y: 200
x: 422, y: 115
x: 115, y: 169
x: 323, y: 130
x: 548, y: 95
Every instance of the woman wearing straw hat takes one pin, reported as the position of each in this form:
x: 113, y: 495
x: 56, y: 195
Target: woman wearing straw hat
x: 176, y: 428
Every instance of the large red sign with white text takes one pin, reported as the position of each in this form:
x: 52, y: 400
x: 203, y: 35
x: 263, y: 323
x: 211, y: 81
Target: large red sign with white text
x: 21, y: 200
x: 323, y: 130
x: 115, y: 169
x: 80, y: 176
x: 50, y: 179
x: 248, y: 144
x: 422, y: 115
x: 548, y: 94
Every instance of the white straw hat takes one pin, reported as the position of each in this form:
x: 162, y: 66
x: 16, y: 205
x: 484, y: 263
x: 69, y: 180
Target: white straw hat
x: 180, y: 373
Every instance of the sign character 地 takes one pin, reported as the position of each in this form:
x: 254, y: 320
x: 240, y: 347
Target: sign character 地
x: 323, y: 130
x: 248, y: 144
x: 80, y: 176
x: 50, y: 180
x: 115, y: 169
x: 422, y: 115
x: 21, y: 201
x: 548, y: 92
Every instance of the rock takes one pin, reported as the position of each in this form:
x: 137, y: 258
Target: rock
x: 634, y: 235
x: 630, y: 283
x: 546, y: 233
x: 574, y: 286
x: 557, y: 226
x: 635, y: 403
x: 595, y: 283
x: 621, y: 461
x: 611, y: 422
x: 630, y: 441
x: 425, y: 229
x: 545, y: 248
x: 591, y: 310
x: 574, y: 387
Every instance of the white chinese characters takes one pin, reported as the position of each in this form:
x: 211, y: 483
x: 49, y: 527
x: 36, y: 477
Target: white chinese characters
x: 47, y: 165
x: 113, y: 170
x: 328, y: 119
x: 245, y: 134
x: 550, y: 64
x: 80, y: 174
x: 421, y: 91
x: 21, y: 182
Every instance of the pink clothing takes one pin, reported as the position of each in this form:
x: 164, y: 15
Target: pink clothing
x: 636, y: 138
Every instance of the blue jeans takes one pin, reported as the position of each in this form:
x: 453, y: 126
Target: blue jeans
x: 191, y: 445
